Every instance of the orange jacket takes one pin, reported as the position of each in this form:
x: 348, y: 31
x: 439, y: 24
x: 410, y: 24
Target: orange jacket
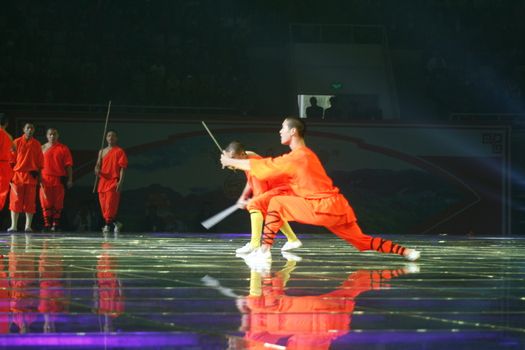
x: 6, y: 145
x: 307, y: 178
x: 112, y: 163
x: 56, y: 159
x: 27, y: 155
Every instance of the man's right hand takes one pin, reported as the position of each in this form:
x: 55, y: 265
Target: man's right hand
x: 242, y: 203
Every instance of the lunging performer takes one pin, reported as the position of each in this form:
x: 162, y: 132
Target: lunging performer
x: 314, y: 200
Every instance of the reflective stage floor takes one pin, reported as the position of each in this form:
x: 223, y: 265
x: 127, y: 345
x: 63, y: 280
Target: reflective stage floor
x: 174, y: 291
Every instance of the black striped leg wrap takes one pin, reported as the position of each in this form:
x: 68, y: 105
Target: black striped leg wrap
x: 381, y: 245
x: 272, y: 217
x: 48, y: 216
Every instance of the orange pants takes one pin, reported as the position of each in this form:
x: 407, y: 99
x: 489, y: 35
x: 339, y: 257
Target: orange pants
x: 22, y: 198
x: 292, y: 208
x: 6, y: 174
x: 109, y: 203
x: 52, y: 202
x: 261, y: 201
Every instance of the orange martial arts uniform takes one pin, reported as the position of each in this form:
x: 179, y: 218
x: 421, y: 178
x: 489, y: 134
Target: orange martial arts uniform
x: 264, y: 190
x: 315, y: 201
x: 28, y: 160
x: 56, y: 159
x: 109, y: 198
x: 306, y: 322
x: 6, y: 172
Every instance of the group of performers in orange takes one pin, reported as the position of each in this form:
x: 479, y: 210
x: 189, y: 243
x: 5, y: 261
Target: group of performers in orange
x: 295, y: 187
x: 291, y: 187
x: 25, y: 164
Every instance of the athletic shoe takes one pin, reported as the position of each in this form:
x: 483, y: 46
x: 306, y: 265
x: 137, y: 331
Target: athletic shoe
x: 11, y: 230
x: 413, y: 255
x: 28, y: 230
x: 291, y: 257
x: 105, y: 229
x: 246, y: 249
x: 118, y: 227
x: 291, y: 245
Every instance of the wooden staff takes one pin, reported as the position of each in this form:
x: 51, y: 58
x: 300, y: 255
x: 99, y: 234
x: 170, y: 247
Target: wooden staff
x: 99, y: 157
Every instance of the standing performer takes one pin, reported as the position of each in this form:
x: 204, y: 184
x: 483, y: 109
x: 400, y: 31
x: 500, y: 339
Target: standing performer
x: 6, y: 147
x: 255, y: 198
x: 57, y: 166
x: 314, y: 201
x: 28, y: 161
x: 110, y: 168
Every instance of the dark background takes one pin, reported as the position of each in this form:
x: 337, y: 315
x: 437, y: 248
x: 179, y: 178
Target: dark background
x: 453, y: 62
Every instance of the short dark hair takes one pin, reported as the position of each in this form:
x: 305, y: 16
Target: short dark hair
x: 111, y: 130
x: 236, y: 147
x: 296, y: 123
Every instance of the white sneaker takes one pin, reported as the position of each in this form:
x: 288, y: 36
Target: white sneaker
x: 292, y: 245
x: 258, y: 256
x: 105, y: 229
x: 118, y: 227
x: 246, y: 249
x: 413, y: 255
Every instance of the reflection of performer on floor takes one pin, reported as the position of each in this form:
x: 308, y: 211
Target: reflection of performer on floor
x: 271, y: 317
x: 53, y: 298
x: 4, y: 295
x: 108, y: 292
x: 23, y: 283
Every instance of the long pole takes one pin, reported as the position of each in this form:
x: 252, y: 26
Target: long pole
x: 99, y: 157
x: 212, y: 137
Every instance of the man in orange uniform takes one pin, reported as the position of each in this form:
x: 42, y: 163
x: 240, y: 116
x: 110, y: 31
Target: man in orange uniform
x: 111, y: 165
x: 255, y: 198
x: 57, y: 165
x: 6, y: 147
x: 28, y: 161
x: 314, y: 201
